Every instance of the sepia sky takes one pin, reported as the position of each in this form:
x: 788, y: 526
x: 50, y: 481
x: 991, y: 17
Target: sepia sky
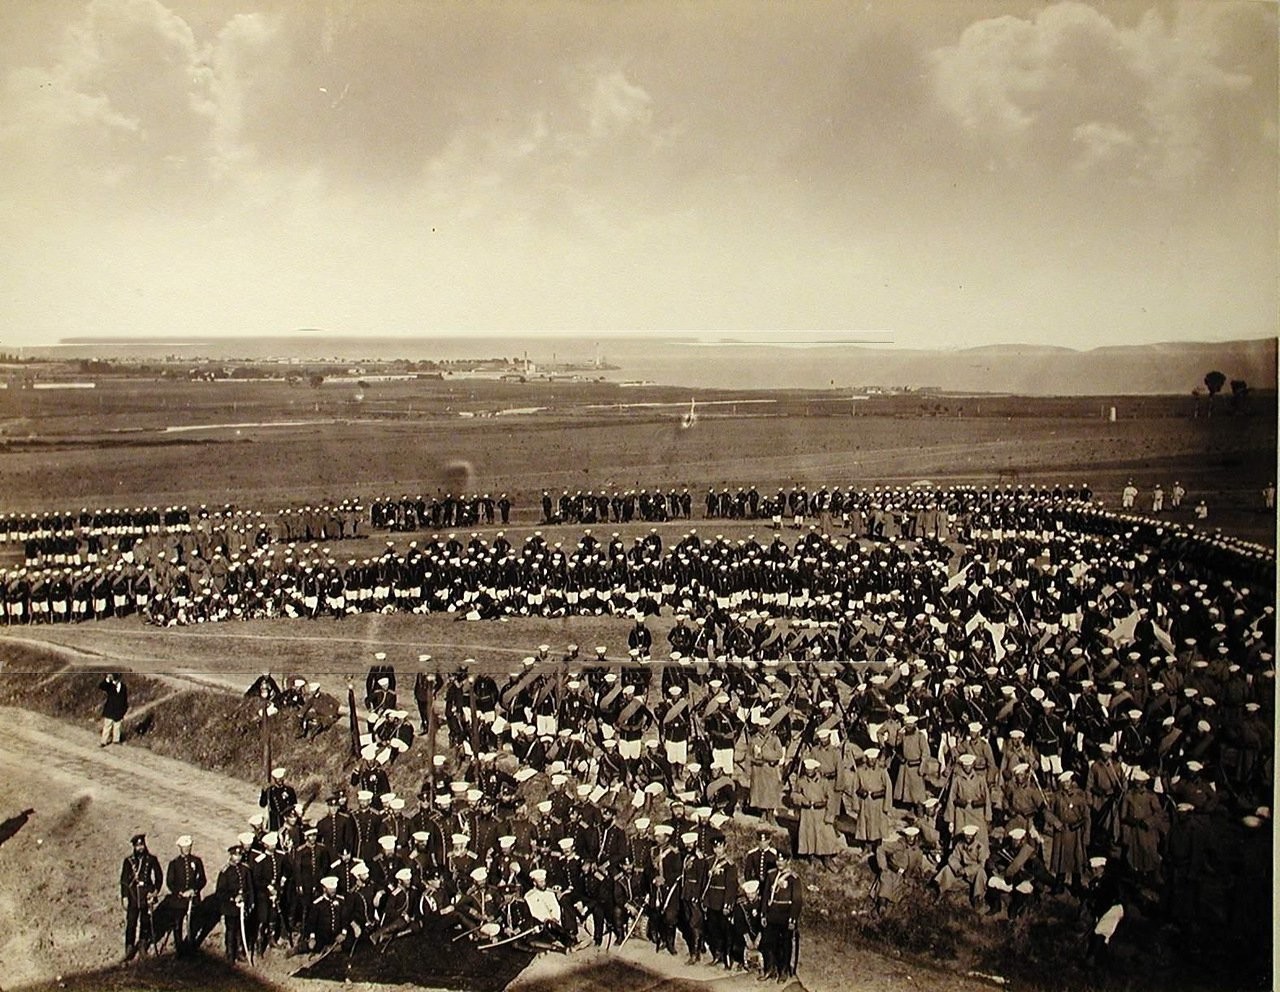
x: 947, y: 173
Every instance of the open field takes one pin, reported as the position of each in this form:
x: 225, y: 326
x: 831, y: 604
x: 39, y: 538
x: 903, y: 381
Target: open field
x: 268, y: 444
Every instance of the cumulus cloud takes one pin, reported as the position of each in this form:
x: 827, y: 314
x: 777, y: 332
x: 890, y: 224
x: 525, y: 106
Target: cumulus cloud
x: 616, y: 104
x: 127, y: 100
x: 591, y: 168
x: 1166, y: 100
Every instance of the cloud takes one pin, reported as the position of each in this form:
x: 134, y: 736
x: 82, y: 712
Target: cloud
x: 125, y: 104
x: 617, y: 104
x: 589, y: 160
x: 409, y: 165
x: 1166, y: 101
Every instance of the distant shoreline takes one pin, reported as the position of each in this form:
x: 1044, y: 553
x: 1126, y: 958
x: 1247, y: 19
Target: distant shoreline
x: 814, y: 361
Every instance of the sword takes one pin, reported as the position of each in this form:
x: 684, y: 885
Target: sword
x: 467, y: 933
x: 334, y: 945
x: 507, y: 940
x: 244, y: 935
x: 382, y: 949
x: 151, y: 926
x: 631, y: 929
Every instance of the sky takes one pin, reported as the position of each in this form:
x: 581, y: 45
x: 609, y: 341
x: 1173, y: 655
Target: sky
x: 952, y: 173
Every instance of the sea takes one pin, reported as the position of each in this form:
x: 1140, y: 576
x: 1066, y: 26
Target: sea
x: 689, y: 361
x: 856, y: 361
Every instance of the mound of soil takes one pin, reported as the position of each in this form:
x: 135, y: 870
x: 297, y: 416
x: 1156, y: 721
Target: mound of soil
x: 425, y: 960
x: 162, y: 974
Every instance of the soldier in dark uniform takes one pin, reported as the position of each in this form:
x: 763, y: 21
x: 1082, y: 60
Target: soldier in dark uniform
x: 328, y: 917
x: 278, y: 799
x: 336, y: 831
x: 186, y: 880
x: 693, y: 885
x: 663, y: 886
x: 781, y: 906
x: 640, y: 638
x: 721, y: 894
x: 140, y: 882
x: 426, y: 687
x: 234, y: 891
x: 309, y: 863
x: 319, y: 712
x: 760, y: 863
x: 114, y: 707
x: 272, y: 885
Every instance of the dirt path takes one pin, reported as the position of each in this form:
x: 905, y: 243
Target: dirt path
x: 59, y: 875
x: 200, y: 803
x: 75, y: 656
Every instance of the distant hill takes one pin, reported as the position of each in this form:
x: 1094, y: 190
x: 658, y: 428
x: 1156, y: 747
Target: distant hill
x: 1169, y: 367
x: 1024, y: 369
x: 1029, y: 370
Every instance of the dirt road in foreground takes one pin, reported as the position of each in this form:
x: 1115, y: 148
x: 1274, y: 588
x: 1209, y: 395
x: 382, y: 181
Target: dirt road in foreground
x: 59, y: 892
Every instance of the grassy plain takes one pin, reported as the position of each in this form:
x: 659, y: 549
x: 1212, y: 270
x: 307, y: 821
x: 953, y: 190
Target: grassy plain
x: 264, y: 444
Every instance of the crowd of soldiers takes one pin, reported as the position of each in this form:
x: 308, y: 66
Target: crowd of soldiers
x: 412, y: 513
x: 87, y: 537
x: 477, y: 859
x: 617, y: 506
x: 902, y: 544
x: 1015, y: 695
x: 1083, y: 711
x: 796, y: 505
